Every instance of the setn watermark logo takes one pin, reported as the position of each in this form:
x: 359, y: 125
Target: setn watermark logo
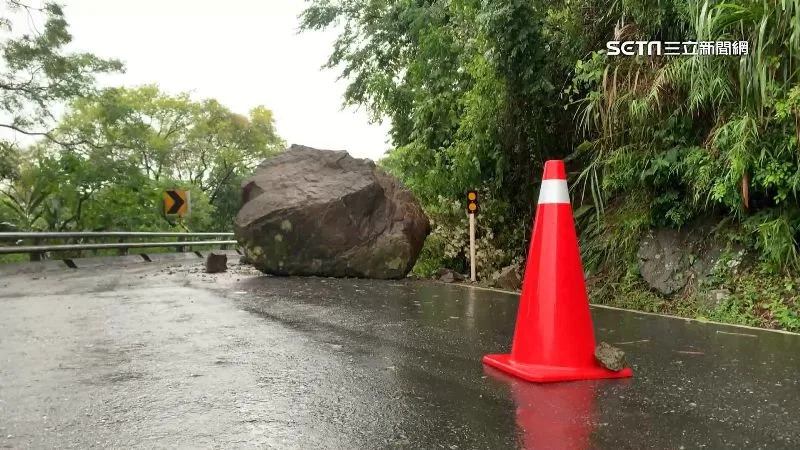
x: 650, y: 48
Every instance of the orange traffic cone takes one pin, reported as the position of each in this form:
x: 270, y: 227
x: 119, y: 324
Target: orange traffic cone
x: 554, y: 337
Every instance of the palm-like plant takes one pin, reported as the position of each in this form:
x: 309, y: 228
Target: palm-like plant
x: 25, y: 197
x: 733, y: 121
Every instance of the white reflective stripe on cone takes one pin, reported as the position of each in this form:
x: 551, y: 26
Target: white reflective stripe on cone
x: 553, y: 191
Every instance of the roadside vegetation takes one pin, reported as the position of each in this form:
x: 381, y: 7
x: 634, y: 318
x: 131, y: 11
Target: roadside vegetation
x: 481, y: 93
x: 78, y: 157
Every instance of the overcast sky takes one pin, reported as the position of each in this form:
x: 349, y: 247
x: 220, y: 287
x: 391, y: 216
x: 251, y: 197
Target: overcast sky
x: 242, y: 52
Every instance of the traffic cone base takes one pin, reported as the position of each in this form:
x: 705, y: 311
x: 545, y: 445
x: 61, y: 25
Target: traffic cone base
x: 548, y: 374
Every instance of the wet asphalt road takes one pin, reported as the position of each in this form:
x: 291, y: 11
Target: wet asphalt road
x: 149, y: 356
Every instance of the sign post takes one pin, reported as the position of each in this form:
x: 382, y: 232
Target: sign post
x: 472, y: 208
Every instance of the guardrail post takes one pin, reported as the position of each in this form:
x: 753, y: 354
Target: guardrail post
x: 122, y: 250
x: 36, y: 256
x: 180, y: 248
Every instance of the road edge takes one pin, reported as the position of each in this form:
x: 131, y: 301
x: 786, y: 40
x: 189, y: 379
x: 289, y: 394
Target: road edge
x: 614, y: 308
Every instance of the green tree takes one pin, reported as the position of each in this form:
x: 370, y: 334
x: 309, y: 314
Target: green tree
x: 471, y: 94
x: 38, y: 72
x: 143, y: 137
x: 23, y: 197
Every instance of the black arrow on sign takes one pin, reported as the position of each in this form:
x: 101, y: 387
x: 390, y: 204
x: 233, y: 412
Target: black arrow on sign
x: 177, y: 202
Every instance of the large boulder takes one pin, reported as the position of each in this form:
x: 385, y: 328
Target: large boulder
x: 321, y: 212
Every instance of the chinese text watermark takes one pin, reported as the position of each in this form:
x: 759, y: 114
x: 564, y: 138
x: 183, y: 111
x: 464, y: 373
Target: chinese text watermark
x: 631, y: 48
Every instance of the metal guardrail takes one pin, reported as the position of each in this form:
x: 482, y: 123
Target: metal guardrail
x: 38, y: 249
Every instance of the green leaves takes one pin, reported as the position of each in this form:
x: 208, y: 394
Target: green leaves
x: 130, y: 145
x: 25, y: 195
x: 38, y: 72
x: 703, y: 135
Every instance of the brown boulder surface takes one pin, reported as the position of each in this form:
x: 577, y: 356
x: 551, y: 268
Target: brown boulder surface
x: 321, y: 212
